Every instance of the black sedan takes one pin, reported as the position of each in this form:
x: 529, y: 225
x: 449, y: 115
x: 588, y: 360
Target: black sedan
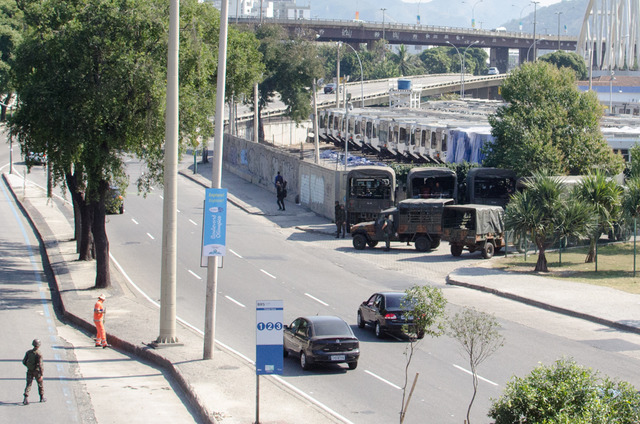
x: 388, y: 314
x: 321, y: 340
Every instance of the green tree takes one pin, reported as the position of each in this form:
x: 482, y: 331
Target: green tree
x: 548, y: 124
x: 479, y: 337
x: 631, y: 198
x: 439, y: 60
x: 571, y: 60
x: 566, y: 392
x: 402, y: 59
x: 604, y: 196
x: 427, y: 305
x: 633, y: 166
x: 11, y: 29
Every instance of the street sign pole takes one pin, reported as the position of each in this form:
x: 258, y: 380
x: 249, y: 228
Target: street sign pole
x: 269, y: 330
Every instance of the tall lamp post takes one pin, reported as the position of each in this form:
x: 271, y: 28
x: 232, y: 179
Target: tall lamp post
x: 611, y: 80
x: 534, y: 50
x: 464, y: 65
x: 418, y: 15
x: 520, y: 19
x: 361, y: 74
x: 473, y: 20
x: 535, y: 8
x: 461, y: 74
x: 558, y: 13
x: 383, y: 10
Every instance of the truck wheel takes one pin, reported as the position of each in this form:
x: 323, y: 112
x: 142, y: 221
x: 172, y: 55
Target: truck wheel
x: 456, y: 249
x: 487, y: 250
x: 359, y: 241
x: 422, y: 244
x: 372, y: 243
x: 435, y: 242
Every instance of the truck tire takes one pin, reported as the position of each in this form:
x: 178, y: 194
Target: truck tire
x: 488, y: 249
x: 372, y: 243
x: 422, y: 243
x: 456, y: 249
x: 359, y: 241
x: 435, y: 242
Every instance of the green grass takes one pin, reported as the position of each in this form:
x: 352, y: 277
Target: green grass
x: 615, y: 265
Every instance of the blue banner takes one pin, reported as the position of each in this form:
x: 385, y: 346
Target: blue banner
x: 214, y: 231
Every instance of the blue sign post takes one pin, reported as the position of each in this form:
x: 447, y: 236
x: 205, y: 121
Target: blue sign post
x: 269, y: 333
x: 215, y: 223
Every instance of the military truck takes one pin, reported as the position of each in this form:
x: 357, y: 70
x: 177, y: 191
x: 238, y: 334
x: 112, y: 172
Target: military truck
x: 474, y: 227
x: 414, y: 220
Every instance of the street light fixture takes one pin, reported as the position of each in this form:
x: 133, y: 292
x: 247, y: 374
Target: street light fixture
x: 534, y: 50
x: 461, y: 77
x: 361, y: 74
x: 535, y: 9
x: 383, y: 10
x: 611, y: 79
x: 520, y: 19
x: 463, y: 64
x: 473, y: 21
x: 558, y: 13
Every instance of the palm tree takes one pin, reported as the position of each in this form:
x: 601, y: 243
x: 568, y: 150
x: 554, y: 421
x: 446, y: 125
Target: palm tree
x: 403, y: 60
x: 604, y: 196
x: 537, y: 211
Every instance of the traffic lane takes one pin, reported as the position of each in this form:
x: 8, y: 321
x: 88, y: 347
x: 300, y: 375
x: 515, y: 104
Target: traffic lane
x: 26, y: 313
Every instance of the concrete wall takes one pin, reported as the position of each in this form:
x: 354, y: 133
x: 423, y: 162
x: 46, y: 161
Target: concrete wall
x: 311, y: 185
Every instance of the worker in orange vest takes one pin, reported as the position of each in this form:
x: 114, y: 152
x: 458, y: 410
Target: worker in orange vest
x: 98, y: 320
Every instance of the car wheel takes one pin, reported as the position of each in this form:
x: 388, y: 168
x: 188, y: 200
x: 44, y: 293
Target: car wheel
x: 303, y: 361
x: 361, y: 322
x: 353, y: 365
x: 435, y: 243
x: 456, y: 249
x: 420, y: 335
x: 359, y: 241
x: 379, y: 333
x: 285, y: 353
x: 487, y: 250
x: 372, y: 243
x: 121, y: 209
x: 422, y: 244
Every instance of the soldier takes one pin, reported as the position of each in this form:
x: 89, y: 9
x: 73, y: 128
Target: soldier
x: 33, y: 361
x: 387, y: 231
x: 98, y: 319
x: 340, y: 219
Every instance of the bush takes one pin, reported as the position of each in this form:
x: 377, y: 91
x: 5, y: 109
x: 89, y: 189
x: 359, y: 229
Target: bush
x: 566, y: 393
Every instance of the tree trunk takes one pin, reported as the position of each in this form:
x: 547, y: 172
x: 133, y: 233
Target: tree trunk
x: 541, y: 265
x: 205, y: 152
x: 103, y: 276
x: 83, y: 218
x: 591, y: 255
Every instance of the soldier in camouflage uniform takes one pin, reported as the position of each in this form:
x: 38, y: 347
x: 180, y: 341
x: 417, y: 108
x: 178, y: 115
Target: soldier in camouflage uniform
x: 33, y: 361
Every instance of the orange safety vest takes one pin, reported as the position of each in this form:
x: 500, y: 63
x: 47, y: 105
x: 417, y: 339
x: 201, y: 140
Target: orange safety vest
x: 98, y: 311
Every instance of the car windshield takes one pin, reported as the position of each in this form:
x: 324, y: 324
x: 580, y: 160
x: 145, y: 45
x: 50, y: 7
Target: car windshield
x: 331, y: 328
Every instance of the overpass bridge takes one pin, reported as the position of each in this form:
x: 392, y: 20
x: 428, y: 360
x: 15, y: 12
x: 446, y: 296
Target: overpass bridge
x: 498, y: 42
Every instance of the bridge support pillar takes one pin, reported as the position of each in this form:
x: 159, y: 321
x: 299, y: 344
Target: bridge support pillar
x: 499, y: 57
x: 522, y: 55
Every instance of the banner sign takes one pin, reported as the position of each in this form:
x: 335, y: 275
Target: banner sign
x: 215, y: 222
x: 269, y: 333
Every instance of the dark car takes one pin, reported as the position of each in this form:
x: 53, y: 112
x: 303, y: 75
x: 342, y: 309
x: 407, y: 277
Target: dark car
x: 330, y: 88
x: 35, y: 158
x: 321, y: 340
x: 114, y: 203
x: 387, y: 313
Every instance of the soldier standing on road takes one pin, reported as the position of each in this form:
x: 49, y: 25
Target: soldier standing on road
x: 281, y: 193
x: 98, y: 319
x: 33, y: 361
x: 387, y: 230
x: 340, y: 220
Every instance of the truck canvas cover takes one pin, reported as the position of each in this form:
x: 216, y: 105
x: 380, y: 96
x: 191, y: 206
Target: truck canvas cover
x: 489, y: 219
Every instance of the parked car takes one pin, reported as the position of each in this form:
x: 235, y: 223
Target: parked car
x: 387, y: 314
x: 493, y: 71
x: 414, y: 220
x: 114, y: 204
x: 321, y: 340
x: 35, y: 158
x: 474, y: 227
x: 330, y: 88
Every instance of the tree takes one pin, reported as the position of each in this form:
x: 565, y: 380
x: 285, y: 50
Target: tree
x: 571, y: 60
x: 633, y: 166
x: 402, y: 59
x: 631, y: 198
x: 604, y: 196
x: 479, y: 336
x: 566, y: 392
x: 11, y: 28
x: 548, y: 124
x: 438, y: 60
x: 427, y: 305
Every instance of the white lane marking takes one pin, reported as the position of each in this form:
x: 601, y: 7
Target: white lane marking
x: 162, y: 197
x: 470, y: 373
x: 150, y: 236
x: 272, y: 276
x: 178, y: 210
x: 193, y: 222
x: 383, y: 380
x: 194, y: 274
x: 232, y: 350
x: 235, y: 301
x: 316, y: 299
x: 134, y: 221
x: 235, y: 253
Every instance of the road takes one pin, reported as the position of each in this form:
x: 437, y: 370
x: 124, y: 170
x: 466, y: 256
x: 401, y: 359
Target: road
x: 316, y: 274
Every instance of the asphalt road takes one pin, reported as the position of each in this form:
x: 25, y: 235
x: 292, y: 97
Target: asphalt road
x: 316, y: 274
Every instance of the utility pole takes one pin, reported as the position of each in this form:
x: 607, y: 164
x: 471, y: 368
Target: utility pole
x: 338, y: 77
x: 535, y: 49
x: 216, y: 182
x: 558, y: 13
x: 167, y: 335
x: 383, y: 9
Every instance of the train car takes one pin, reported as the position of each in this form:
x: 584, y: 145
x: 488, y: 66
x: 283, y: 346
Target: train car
x: 432, y: 182
x: 490, y: 186
x: 370, y: 189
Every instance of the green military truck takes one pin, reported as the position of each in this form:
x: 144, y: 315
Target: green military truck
x: 474, y: 227
x: 414, y: 220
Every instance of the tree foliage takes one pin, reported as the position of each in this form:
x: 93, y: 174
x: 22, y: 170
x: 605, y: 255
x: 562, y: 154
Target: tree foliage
x: 631, y: 198
x: 548, y: 124
x: 571, y: 60
x: 565, y: 393
x: 11, y: 31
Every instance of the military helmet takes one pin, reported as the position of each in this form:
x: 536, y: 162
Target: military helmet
x: 36, y: 343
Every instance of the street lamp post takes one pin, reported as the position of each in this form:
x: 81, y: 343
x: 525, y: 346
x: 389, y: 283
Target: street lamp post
x: 316, y: 141
x: 611, y: 79
x: 361, y: 74
x: 558, y: 13
x: 461, y: 74
x: 473, y: 21
x: 418, y: 15
x: 520, y: 19
x: 529, y: 50
x: 383, y: 10
x: 463, y: 64
x: 535, y: 9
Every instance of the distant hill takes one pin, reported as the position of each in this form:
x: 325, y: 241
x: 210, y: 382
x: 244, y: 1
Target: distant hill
x: 488, y: 14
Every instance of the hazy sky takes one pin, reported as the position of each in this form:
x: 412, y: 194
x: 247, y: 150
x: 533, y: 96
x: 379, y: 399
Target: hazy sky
x: 542, y: 2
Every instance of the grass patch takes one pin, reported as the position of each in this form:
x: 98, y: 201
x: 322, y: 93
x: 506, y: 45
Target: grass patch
x: 615, y: 265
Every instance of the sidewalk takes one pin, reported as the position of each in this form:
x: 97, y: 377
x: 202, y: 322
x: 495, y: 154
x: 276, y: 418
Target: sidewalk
x: 225, y: 387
